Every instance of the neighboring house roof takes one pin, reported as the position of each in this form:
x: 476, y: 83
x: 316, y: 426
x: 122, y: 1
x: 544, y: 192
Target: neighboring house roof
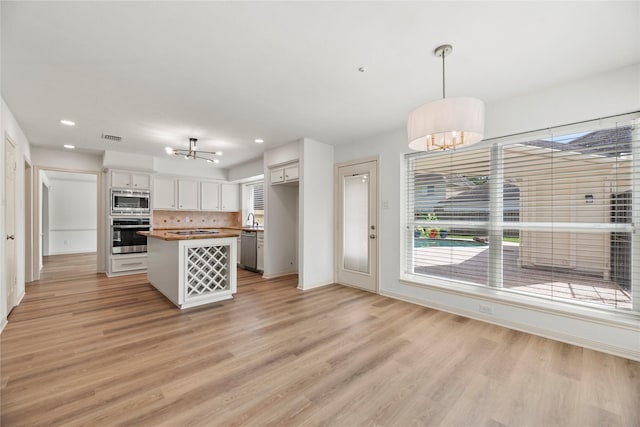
x: 608, y: 142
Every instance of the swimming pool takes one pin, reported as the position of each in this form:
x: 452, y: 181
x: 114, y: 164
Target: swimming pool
x: 446, y: 243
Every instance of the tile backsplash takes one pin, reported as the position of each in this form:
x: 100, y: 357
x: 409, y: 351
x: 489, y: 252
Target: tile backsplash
x: 194, y: 219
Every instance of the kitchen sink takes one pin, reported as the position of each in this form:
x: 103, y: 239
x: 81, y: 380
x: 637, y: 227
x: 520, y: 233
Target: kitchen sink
x: 193, y: 232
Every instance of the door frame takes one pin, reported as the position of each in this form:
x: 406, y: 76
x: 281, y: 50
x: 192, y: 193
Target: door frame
x: 337, y: 205
x: 37, y: 208
x: 9, y: 305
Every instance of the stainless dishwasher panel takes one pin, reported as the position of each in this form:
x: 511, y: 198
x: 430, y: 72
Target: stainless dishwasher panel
x: 249, y: 251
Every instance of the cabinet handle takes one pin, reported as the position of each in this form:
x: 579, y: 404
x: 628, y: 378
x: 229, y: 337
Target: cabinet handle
x: 131, y: 263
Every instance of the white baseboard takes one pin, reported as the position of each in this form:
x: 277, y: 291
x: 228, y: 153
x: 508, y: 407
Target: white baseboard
x: 274, y: 276
x: 554, y: 335
x: 316, y: 285
x: 20, y: 298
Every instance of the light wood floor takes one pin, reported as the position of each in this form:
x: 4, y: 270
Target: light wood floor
x: 96, y: 351
x: 64, y: 267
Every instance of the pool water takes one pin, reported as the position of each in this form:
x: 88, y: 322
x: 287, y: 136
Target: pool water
x: 446, y: 243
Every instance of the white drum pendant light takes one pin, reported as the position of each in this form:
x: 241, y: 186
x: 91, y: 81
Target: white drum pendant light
x: 448, y: 122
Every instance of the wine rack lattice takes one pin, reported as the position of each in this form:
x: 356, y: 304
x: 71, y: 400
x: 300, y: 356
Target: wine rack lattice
x: 207, y: 270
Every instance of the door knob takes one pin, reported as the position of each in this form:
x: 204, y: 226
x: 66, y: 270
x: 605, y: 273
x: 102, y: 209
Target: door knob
x: 372, y: 236
x: 11, y: 237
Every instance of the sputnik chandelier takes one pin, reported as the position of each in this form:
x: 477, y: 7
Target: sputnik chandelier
x: 193, y: 153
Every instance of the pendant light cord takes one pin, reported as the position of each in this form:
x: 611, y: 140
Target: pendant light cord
x: 443, y: 55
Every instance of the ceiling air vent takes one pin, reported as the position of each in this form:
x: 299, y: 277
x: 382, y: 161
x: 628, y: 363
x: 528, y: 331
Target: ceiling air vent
x: 113, y: 138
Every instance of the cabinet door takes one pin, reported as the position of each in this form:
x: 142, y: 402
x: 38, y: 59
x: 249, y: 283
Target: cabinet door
x: 229, y: 197
x: 291, y: 173
x: 187, y: 194
x: 140, y: 181
x: 120, y: 179
x: 164, y: 193
x: 277, y: 176
x: 238, y: 250
x: 260, y: 249
x: 209, y: 196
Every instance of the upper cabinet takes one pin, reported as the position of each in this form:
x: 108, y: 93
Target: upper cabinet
x: 229, y: 197
x: 123, y: 179
x: 216, y: 196
x: 284, y: 174
x: 210, y: 196
x: 187, y: 194
x: 164, y: 193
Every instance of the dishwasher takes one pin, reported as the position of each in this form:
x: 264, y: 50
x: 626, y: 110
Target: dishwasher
x: 249, y: 250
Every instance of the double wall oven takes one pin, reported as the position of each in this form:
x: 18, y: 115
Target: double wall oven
x: 124, y: 236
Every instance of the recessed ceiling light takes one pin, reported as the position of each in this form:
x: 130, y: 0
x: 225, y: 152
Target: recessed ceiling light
x: 67, y: 122
x: 69, y: 146
x: 258, y: 141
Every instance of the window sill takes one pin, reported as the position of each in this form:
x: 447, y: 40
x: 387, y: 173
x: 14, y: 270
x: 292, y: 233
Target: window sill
x: 617, y: 318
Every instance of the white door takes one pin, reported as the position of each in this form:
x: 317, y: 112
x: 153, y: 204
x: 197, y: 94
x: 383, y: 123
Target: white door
x: 358, y: 225
x: 10, y: 223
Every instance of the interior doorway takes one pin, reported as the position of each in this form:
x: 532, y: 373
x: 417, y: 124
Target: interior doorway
x: 68, y: 207
x: 358, y: 225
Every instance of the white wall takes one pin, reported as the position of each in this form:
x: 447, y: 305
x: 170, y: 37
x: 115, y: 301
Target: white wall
x: 127, y: 161
x: 73, y: 202
x: 248, y: 171
x: 9, y: 127
x: 602, y: 95
x: 46, y: 158
x: 183, y: 167
x: 316, y: 215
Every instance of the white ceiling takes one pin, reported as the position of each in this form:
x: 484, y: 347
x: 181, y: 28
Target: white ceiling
x: 157, y: 73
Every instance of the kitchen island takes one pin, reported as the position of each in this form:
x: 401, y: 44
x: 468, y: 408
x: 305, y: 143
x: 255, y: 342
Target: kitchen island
x: 192, y: 267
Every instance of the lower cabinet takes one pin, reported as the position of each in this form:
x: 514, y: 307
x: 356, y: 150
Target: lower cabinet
x: 260, y: 263
x: 239, y: 250
x: 124, y: 263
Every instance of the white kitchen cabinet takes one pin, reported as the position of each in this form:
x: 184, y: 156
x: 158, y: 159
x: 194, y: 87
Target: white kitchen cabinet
x: 291, y: 173
x: 285, y: 174
x: 229, y: 197
x: 239, y: 250
x: 215, y: 196
x: 188, y: 194
x: 277, y: 175
x: 123, y: 179
x: 260, y: 250
x: 164, y: 193
x: 210, y: 196
x: 121, y: 263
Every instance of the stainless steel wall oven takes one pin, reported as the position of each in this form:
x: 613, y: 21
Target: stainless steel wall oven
x: 124, y: 236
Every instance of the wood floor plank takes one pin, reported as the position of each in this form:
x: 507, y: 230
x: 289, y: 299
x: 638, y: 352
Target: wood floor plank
x: 84, y: 349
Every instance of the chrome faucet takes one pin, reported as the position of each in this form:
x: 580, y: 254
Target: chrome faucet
x: 251, y: 217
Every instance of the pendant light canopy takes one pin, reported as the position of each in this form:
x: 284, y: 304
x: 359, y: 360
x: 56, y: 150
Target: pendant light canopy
x: 448, y: 122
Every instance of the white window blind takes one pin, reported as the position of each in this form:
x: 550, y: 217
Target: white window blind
x: 547, y: 216
x: 257, y: 197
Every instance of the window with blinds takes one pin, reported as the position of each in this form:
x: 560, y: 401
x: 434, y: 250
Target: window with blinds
x: 549, y: 216
x: 254, y: 196
x: 257, y: 197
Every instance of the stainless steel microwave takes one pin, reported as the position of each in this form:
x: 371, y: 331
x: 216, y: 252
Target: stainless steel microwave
x: 130, y: 202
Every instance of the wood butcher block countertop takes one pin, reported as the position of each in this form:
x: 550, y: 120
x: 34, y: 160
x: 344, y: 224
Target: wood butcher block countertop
x: 216, y: 233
